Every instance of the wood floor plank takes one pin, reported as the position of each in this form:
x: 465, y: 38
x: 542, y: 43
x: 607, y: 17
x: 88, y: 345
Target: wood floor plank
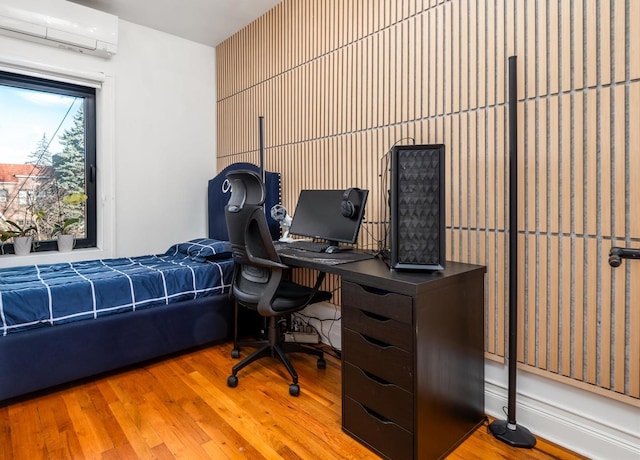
x: 176, y: 432
x: 138, y: 443
x: 181, y: 407
x: 92, y: 442
x: 52, y: 432
x: 6, y: 446
x: 244, y: 422
x: 25, y: 430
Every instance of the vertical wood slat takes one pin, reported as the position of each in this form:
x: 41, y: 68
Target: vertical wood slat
x: 542, y: 358
x: 543, y: 182
x: 340, y: 82
x: 555, y: 289
x: 633, y: 323
x: 542, y: 47
x: 634, y: 37
x: 577, y: 312
x: 566, y: 312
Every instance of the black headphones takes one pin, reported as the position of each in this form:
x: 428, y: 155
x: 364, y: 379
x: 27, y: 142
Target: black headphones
x: 347, y: 207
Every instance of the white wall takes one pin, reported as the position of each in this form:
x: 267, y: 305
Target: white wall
x: 165, y: 139
x: 156, y: 138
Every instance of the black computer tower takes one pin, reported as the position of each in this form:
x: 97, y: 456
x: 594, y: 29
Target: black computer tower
x: 417, y: 207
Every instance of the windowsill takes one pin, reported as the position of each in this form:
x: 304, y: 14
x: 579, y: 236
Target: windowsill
x: 52, y: 257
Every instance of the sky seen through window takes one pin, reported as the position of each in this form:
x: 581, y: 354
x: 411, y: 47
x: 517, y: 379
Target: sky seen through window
x: 27, y: 115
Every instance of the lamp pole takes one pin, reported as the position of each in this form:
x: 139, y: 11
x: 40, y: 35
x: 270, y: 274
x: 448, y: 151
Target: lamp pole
x: 508, y: 430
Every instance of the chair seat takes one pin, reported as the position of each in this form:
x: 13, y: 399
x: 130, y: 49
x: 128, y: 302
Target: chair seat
x: 291, y: 296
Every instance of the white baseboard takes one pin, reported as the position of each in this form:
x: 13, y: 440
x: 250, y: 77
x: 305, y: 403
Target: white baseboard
x: 584, y: 422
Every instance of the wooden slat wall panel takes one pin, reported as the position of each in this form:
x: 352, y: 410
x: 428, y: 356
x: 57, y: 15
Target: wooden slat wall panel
x: 339, y: 82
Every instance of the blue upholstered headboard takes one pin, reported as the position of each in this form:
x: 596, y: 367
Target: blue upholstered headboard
x: 219, y: 193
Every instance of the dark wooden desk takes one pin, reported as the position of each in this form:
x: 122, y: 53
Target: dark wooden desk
x: 412, y: 355
x: 328, y: 263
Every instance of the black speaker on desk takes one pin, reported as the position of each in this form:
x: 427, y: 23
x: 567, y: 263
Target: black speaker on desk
x: 417, y: 207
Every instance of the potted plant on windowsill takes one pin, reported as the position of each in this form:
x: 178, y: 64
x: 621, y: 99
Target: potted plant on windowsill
x: 66, y: 238
x: 64, y: 228
x: 22, y: 237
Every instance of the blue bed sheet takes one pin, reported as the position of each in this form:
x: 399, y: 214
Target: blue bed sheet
x: 45, y: 295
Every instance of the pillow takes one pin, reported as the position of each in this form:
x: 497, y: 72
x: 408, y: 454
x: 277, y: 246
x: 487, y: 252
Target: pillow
x: 202, y: 249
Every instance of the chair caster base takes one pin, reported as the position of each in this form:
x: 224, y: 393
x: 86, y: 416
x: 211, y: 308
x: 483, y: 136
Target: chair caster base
x: 232, y: 381
x: 294, y: 389
x: 235, y: 353
x: 322, y: 364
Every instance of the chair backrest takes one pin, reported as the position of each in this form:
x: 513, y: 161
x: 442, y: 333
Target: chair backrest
x: 218, y: 196
x: 258, y: 270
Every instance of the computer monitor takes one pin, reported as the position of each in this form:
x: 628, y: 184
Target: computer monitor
x: 331, y: 215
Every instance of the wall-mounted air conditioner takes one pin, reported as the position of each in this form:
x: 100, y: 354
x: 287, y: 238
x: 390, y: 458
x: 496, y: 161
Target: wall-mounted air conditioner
x: 61, y: 24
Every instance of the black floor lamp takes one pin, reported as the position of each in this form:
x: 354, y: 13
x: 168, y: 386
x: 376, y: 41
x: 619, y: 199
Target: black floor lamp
x: 261, y: 146
x: 508, y: 430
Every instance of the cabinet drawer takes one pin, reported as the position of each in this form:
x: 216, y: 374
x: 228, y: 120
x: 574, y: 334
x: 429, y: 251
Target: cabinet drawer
x: 383, y: 360
x: 382, y: 435
x: 385, y: 398
x: 383, y: 303
x: 378, y: 327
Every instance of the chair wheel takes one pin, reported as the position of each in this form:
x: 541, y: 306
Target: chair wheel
x: 232, y: 381
x: 235, y: 353
x: 294, y: 389
x: 322, y: 364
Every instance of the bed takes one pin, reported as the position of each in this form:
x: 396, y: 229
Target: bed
x: 64, y: 322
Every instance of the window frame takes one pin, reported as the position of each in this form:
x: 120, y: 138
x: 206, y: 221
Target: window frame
x: 88, y: 94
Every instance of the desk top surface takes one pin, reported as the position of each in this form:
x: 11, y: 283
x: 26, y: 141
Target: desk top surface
x: 320, y: 260
x: 364, y: 268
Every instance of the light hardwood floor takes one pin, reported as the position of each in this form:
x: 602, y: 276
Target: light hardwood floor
x: 181, y: 407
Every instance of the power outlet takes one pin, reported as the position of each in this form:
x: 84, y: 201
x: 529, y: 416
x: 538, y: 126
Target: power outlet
x: 302, y: 337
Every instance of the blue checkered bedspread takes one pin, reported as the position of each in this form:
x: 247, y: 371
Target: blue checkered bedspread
x: 46, y: 295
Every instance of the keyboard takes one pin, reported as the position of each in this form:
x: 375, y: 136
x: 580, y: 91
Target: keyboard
x: 312, y: 246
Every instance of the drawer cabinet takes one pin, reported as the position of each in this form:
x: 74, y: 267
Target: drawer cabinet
x: 377, y: 369
x: 413, y: 360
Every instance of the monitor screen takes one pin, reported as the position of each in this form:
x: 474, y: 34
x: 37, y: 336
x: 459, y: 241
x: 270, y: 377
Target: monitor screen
x: 331, y: 215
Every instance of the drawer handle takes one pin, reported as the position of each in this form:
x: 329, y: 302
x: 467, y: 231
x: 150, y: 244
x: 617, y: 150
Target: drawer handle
x: 372, y: 290
x: 375, y: 342
x: 382, y: 319
x: 375, y: 378
x: 377, y: 416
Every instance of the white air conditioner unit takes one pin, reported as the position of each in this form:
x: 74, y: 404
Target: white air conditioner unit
x: 61, y: 24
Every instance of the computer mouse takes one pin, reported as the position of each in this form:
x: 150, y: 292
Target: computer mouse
x: 332, y: 249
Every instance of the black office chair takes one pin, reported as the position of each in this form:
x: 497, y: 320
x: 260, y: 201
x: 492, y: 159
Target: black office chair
x: 258, y: 281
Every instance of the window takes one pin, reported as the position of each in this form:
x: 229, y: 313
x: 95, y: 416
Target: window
x: 48, y: 157
x: 23, y: 198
